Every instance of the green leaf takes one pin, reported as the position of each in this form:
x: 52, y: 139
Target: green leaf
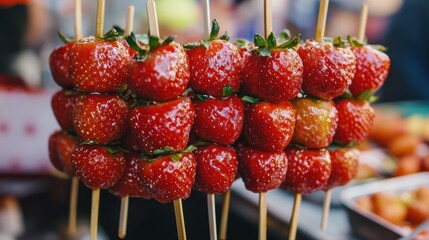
x: 111, y: 35
x: 249, y: 99
x: 153, y: 42
x: 175, y: 157
x: 338, y: 42
x: 199, y: 143
x: 347, y: 95
x: 205, y: 44
x: 291, y: 43
x: 379, y: 47
x: 285, y: 35
x: 192, y: 45
x: 88, y: 142
x: 354, y: 42
x: 227, y: 91
x: 366, y: 95
x: 259, y: 41
x: 265, y: 52
x: 168, y: 40
x: 215, y: 30
x: 373, y: 99
x: 112, y: 150
x: 189, y: 149
x: 225, y: 37
x: 64, y: 39
x: 272, y: 41
x: 202, y: 97
x: 242, y: 43
x: 120, y: 30
x: 163, y: 151
x: 132, y: 42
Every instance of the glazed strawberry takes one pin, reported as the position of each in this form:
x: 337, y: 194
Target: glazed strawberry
x: 160, y: 74
x: 163, y: 126
x: 59, y: 65
x: 316, y: 122
x: 98, y: 65
x: 61, y: 146
x: 62, y: 106
x: 99, y: 118
x: 218, y: 120
x: 344, y: 162
x: 269, y: 126
x: 98, y: 166
x: 328, y: 70
x: 355, y: 119
x: 261, y: 171
x: 129, y: 183
x: 308, y: 171
x: 215, y: 65
x: 216, y: 168
x: 372, y: 68
x: 168, y: 178
x: 273, y: 73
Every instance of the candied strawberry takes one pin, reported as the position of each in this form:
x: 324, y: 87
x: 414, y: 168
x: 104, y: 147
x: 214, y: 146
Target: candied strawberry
x: 163, y: 126
x: 273, y: 73
x: 168, y: 178
x: 59, y: 65
x: 328, y: 70
x: 344, y: 166
x: 261, y: 171
x: 308, y: 171
x: 372, y: 68
x: 62, y: 106
x: 98, y: 166
x: 218, y: 120
x: 161, y: 74
x: 216, y: 168
x: 269, y: 126
x: 61, y: 146
x: 129, y: 183
x: 99, y: 118
x: 129, y: 140
x: 316, y: 122
x: 355, y: 119
x: 98, y: 65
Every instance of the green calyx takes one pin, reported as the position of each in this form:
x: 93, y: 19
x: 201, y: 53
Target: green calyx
x: 154, y: 43
x: 249, y: 99
x: 64, y: 39
x: 112, y: 35
x: 167, y: 151
x: 265, y: 46
x: 119, y: 30
x: 367, y: 95
x: 340, y: 43
x: 213, y: 36
x: 113, y: 148
x: 354, y: 42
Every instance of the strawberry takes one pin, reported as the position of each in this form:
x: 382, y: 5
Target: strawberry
x: 244, y: 48
x: 59, y: 65
x: 372, y: 68
x: 215, y: 65
x: 273, y: 73
x: 269, y: 126
x: 163, y: 126
x: 168, y: 177
x: 160, y: 74
x: 218, y: 120
x: 99, y: 65
x: 344, y: 162
x: 316, y: 122
x: 308, y: 171
x: 129, y: 183
x: 61, y: 146
x: 98, y: 166
x: 62, y: 106
x: 355, y: 119
x: 216, y: 168
x: 328, y: 69
x: 99, y: 118
x: 261, y: 171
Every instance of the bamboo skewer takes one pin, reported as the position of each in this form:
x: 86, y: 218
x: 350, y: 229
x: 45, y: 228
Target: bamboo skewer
x: 362, y: 22
x: 123, y: 216
x: 268, y: 18
x: 262, y: 216
x: 325, y: 213
x: 212, y: 216
x: 94, y: 214
x: 71, y: 230
x: 100, y: 19
x: 224, y: 217
x: 321, y: 20
x: 180, y: 220
x: 153, y: 20
x: 78, y: 19
x: 129, y: 24
x: 207, y: 19
x: 295, y: 215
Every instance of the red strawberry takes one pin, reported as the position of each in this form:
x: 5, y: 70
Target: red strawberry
x: 99, y: 118
x: 160, y: 74
x: 308, y: 171
x: 215, y: 65
x: 328, y: 70
x: 98, y: 166
x: 344, y: 162
x: 269, y: 126
x: 219, y: 120
x: 59, y: 65
x: 163, y: 126
x: 273, y: 73
x: 61, y: 146
x: 99, y: 65
x: 372, y: 68
x: 216, y: 168
x: 168, y: 178
x: 244, y: 48
x: 261, y: 171
x: 62, y: 106
x: 316, y: 122
x: 129, y: 140
x: 355, y: 119
x: 129, y: 183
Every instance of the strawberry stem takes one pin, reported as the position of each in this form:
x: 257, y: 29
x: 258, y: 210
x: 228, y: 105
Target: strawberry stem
x: 64, y: 39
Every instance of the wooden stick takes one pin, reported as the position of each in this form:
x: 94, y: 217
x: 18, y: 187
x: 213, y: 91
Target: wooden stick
x: 294, y: 217
x: 129, y: 24
x: 123, y: 217
x: 93, y: 228
x: 73, y: 206
x: 321, y: 20
x: 212, y: 216
x: 225, y: 213
x: 262, y: 216
x: 268, y: 18
x: 78, y: 19
x: 362, y: 22
x: 152, y: 17
x: 99, y: 28
x: 207, y: 20
x: 326, y: 206
x: 180, y: 220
